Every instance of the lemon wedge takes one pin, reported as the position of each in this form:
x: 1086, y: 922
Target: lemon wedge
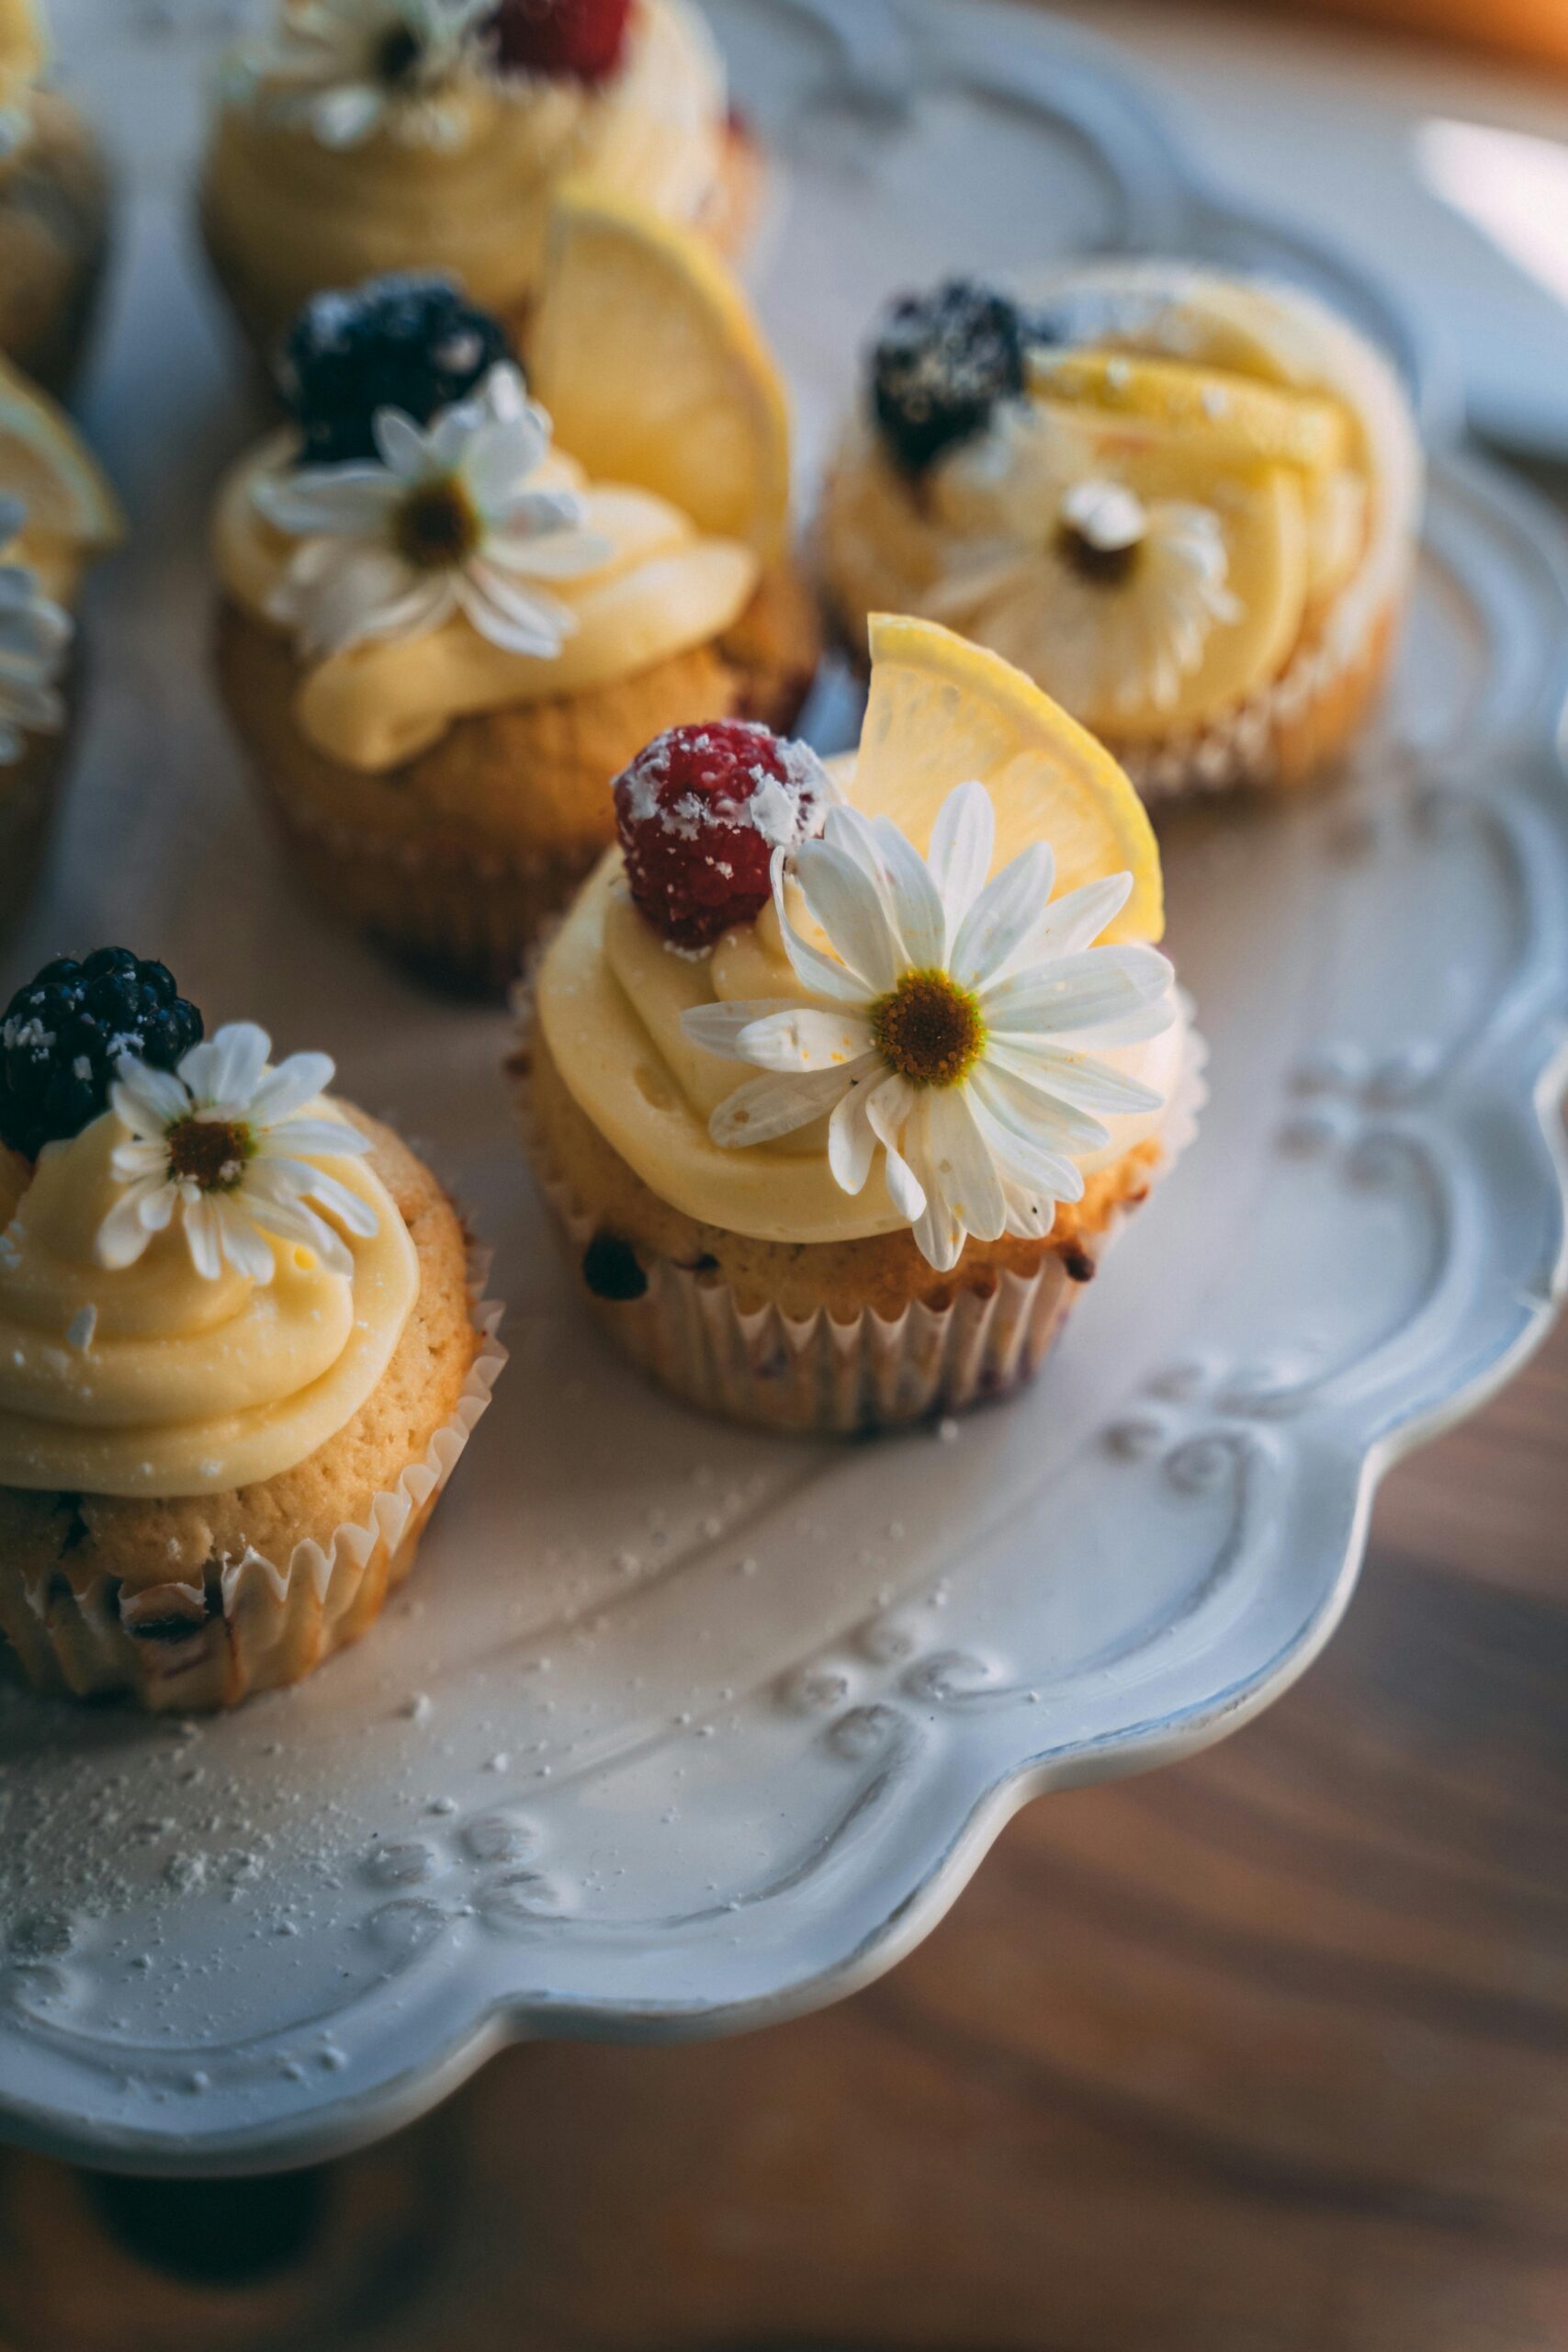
x: 1223, y: 418
x: 649, y: 357
x: 942, y: 712
x: 66, y: 493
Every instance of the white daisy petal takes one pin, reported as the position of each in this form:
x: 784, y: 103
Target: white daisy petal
x: 841, y: 898
x: 403, y: 449
x: 146, y: 1100
x: 890, y: 1109
x: 1078, y: 1079
x: 716, y: 1027
x: 961, y: 1182
x: 125, y: 1231
x: 774, y: 1106
x: 1059, y: 1124
x: 292, y: 1221
x: 920, y: 917
x: 852, y: 1138
x: 815, y: 971
x: 244, y: 1247
x: 1075, y: 919
x: 290, y: 1087
x: 204, y: 1236
x: 1002, y: 917
x: 313, y: 1136
x: 963, y: 841
x: 1016, y: 1142
x: 227, y: 1068
x: 805, y: 1037
x: 1078, y: 991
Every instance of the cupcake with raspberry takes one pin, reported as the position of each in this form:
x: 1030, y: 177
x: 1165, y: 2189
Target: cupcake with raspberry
x: 1186, y: 504
x: 240, y: 1346
x: 450, y: 613
x: 57, y: 515
x: 840, y: 1087
x: 360, y: 136
x: 54, y: 210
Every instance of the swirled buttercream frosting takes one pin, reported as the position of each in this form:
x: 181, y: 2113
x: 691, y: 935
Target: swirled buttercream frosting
x: 473, y: 195
x: 610, y: 1000
x: 158, y: 1379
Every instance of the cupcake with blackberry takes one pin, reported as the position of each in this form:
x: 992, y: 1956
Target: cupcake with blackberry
x: 57, y: 515
x: 450, y: 613
x: 840, y: 1087
x: 1186, y: 504
x: 360, y: 136
x: 54, y: 210
x: 239, y: 1347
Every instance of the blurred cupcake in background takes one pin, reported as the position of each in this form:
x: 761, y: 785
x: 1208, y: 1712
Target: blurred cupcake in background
x: 1186, y: 504
x: 453, y: 607
x: 54, y: 210
x: 242, y: 1345
x: 841, y: 1084
x: 361, y: 136
x: 57, y: 515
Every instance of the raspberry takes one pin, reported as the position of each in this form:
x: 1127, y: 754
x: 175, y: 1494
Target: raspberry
x: 701, y: 812
x: 62, y: 1034
x: 405, y: 340
x: 941, y: 363
x: 582, y: 37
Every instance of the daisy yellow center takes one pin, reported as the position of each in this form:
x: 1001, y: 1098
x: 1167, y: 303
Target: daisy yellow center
x: 1106, y: 567
x: 208, y: 1153
x: 929, y: 1029
x: 400, y: 52
x: 438, y: 527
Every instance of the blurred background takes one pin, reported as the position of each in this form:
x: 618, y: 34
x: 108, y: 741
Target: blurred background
x: 1267, y: 2053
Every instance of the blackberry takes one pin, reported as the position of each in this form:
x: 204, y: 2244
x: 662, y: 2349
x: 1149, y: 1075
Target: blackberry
x: 941, y: 364
x: 406, y: 341
x: 62, y: 1034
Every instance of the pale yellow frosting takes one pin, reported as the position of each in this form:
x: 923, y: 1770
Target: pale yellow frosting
x: 153, y: 1380
x: 311, y: 216
x: 609, y: 1001
x: 664, y: 590
x: 890, y: 549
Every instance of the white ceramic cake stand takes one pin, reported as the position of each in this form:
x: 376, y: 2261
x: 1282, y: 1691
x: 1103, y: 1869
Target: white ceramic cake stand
x: 677, y: 1729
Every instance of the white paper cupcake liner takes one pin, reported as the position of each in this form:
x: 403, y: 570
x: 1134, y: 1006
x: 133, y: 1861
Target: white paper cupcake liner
x: 275, y: 1619
x: 814, y: 1375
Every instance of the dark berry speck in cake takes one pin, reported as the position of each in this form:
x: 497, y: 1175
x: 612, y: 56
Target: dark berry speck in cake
x: 700, y: 813
x: 941, y: 363
x: 407, y: 341
x: 61, y: 1037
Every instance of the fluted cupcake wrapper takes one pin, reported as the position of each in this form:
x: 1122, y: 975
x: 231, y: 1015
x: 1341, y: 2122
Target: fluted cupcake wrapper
x: 262, y: 1622
x: 817, y: 1377
x: 1286, y: 732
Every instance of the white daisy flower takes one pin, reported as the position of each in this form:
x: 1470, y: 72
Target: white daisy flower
x: 946, y: 1024
x: 1108, y: 598
x: 452, y: 519
x: 221, y: 1143
x: 348, y: 69
x: 35, y: 633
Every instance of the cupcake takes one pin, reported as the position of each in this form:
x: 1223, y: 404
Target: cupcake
x: 54, y: 209
x: 838, y: 1087
x: 239, y: 1347
x: 363, y: 136
x: 1186, y: 504
x: 449, y: 614
x: 57, y: 513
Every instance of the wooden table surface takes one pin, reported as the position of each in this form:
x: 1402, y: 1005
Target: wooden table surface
x: 1267, y: 2053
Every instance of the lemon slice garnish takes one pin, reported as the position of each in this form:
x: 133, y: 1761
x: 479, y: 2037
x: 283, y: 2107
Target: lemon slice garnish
x: 66, y: 490
x: 649, y: 357
x: 1223, y: 418
x: 942, y: 712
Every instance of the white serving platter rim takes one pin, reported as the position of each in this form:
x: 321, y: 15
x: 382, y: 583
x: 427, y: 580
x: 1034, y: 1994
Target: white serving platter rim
x: 892, y: 1717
